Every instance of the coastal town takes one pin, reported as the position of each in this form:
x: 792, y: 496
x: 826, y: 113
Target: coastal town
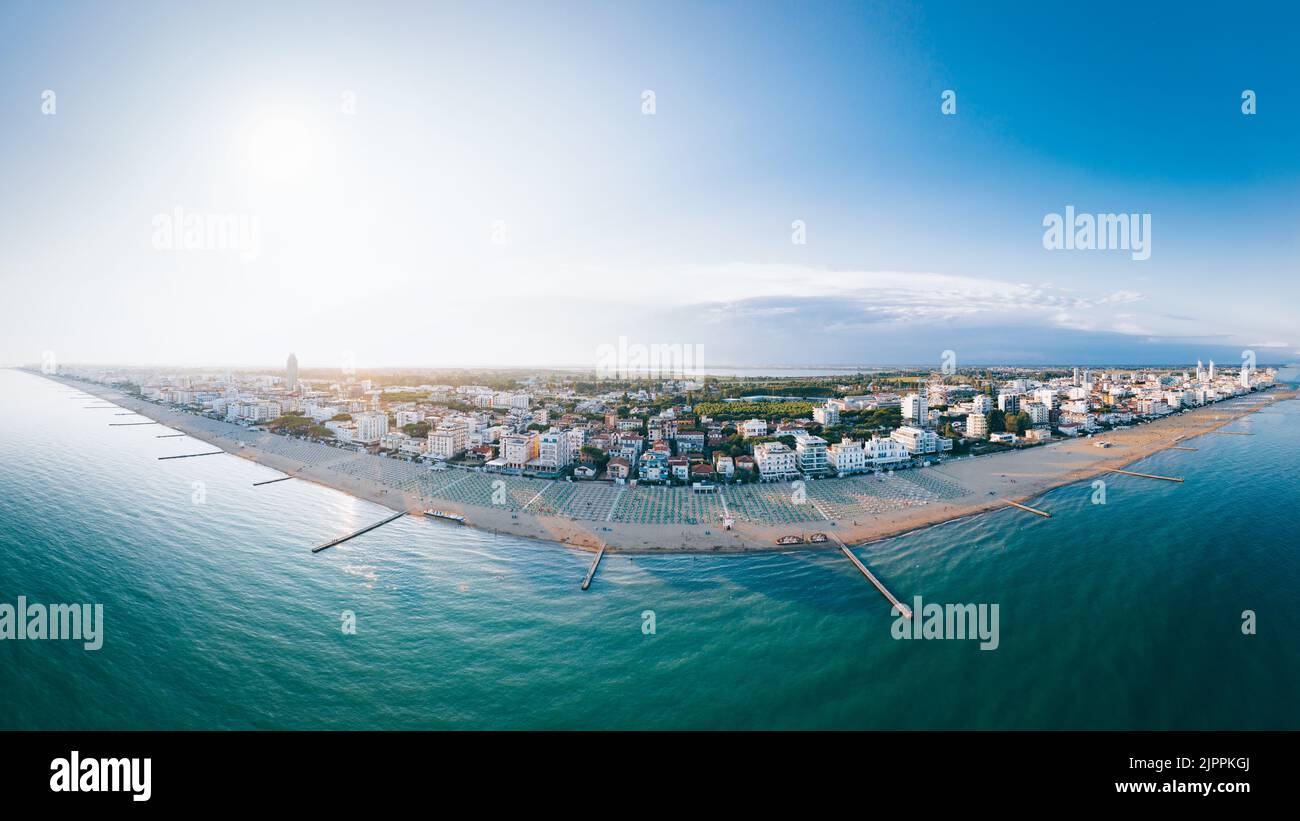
x: 697, y: 432
x: 688, y: 463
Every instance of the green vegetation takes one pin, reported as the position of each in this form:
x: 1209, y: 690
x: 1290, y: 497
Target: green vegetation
x: 749, y: 410
x: 416, y: 430
x: 595, y: 456
x: 290, y: 423
x: 320, y: 432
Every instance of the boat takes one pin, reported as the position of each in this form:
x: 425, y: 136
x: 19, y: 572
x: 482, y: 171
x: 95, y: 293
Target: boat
x: 442, y: 514
x: 818, y: 538
x: 790, y: 540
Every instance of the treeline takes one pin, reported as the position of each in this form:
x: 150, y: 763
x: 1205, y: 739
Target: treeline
x: 749, y: 410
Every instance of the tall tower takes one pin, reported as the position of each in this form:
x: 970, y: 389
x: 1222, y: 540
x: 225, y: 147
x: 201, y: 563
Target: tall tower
x: 291, y: 372
x: 1211, y: 370
x: 1200, y: 371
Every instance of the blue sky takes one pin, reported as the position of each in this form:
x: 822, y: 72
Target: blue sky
x: 523, y: 123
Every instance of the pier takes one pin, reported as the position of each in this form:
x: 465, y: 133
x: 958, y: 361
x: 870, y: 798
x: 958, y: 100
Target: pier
x: 190, y: 455
x: 600, y: 554
x: 272, y: 481
x: 1146, y: 475
x: 884, y: 591
x: 169, y: 435
x: 1179, y: 447
x: 1042, y: 513
x: 129, y: 424
x: 1232, y: 433
x: 340, y: 540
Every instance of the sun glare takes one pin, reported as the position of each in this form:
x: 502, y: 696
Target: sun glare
x: 280, y: 148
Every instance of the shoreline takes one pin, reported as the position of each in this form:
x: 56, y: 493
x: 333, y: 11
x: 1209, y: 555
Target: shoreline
x: 989, y: 482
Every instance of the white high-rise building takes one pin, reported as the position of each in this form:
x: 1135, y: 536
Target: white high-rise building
x: 977, y: 425
x: 448, y: 440
x: 553, y: 449
x: 847, y: 457
x: 826, y: 415
x: 810, y: 454
x: 774, y: 461
x: 291, y: 372
x: 915, y: 408
x: 518, y: 449
x: 920, y: 441
x: 982, y: 404
x: 405, y: 418
x: 369, y: 427
x: 1040, y: 415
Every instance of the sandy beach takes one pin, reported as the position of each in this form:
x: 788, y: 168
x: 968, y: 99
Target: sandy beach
x: 987, y: 483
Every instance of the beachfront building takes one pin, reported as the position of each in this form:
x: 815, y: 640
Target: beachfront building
x: 775, y: 461
x: 886, y: 452
x: 518, y: 449
x: 1040, y: 415
x: 653, y: 466
x: 847, y: 457
x: 920, y: 441
x: 449, y: 439
x: 553, y: 451
x: 810, y: 455
x: 977, y: 425
x: 618, y: 469
x: 724, y: 465
x: 370, y: 427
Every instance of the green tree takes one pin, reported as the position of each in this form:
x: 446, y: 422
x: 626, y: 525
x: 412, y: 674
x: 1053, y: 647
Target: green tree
x: 996, y: 421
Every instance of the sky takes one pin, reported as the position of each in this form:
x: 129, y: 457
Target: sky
x: 489, y: 184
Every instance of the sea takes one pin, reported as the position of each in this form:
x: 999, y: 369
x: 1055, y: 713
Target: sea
x: 1168, y: 606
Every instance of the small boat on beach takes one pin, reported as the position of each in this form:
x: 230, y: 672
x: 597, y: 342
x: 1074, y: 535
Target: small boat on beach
x: 442, y: 514
x: 790, y: 540
x: 818, y: 538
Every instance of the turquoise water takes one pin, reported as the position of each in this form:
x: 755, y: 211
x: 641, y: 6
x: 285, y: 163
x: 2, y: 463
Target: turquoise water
x: 1123, y: 615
